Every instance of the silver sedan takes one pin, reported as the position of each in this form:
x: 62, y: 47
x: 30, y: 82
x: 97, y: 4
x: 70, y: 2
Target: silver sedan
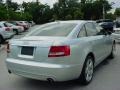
x: 60, y: 51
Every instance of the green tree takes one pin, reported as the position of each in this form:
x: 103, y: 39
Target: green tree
x: 12, y: 5
x: 68, y: 17
x: 64, y: 9
x: 117, y: 12
x: 3, y: 15
x: 40, y: 13
x: 78, y: 15
x: 110, y: 16
x: 94, y: 9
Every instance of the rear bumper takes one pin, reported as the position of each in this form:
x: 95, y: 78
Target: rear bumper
x: 8, y: 35
x: 43, y: 71
x: 20, y: 30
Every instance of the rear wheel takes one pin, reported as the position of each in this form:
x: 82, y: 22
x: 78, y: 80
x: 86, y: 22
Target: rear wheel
x: 88, y: 70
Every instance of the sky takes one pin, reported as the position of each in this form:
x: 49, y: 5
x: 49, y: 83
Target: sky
x: 50, y: 2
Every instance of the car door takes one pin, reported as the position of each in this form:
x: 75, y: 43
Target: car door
x: 108, y: 44
x: 108, y: 41
x: 97, y: 41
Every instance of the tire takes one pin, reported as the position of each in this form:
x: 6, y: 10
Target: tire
x: 112, y: 54
x: 1, y: 39
x: 87, y: 71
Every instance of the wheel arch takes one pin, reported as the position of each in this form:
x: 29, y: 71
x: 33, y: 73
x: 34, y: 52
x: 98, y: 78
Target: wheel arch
x: 91, y: 54
x: 81, y: 77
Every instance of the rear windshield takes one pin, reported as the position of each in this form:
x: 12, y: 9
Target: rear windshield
x: 56, y: 29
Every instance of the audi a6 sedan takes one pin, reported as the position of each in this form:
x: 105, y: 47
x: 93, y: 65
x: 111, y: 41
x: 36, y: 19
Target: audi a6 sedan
x: 60, y: 51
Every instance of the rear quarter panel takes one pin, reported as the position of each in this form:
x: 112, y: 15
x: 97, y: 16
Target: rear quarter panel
x: 80, y: 48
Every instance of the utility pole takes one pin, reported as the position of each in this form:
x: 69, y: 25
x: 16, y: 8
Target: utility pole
x: 21, y: 9
x: 37, y: 1
x: 7, y: 10
x: 103, y: 11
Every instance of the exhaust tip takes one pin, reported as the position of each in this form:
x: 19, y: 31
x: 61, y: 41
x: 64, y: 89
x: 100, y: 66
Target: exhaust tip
x: 9, y: 72
x: 50, y: 80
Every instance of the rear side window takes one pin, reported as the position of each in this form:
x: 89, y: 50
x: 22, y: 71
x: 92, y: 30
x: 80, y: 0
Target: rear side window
x: 90, y: 29
x: 56, y: 29
x: 98, y: 27
x: 82, y: 32
x: 5, y: 25
x: 20, y: 22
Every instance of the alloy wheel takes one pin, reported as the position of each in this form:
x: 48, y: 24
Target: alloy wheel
x: 89, y: 70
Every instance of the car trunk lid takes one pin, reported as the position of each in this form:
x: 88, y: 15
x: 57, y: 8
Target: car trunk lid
x: 32, y: 48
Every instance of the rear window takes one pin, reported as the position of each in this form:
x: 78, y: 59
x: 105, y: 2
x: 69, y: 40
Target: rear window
x: 56, y: 29
x: 20, y: 22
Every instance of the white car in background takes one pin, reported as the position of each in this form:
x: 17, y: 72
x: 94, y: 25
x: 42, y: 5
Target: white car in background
x: 32, y: 23
x: 5, y: 32
x: 60, y: 51
x: 25, y: 24
x: 116, y: 34
x: 16, y: 29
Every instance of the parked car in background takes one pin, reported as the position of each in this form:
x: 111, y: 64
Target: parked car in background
x: 5, y: 32
x: 18, y: 24
x: 117, y: 24
x: 116, y: 34
x: 32, y: 23
x: 25, y: 24
x: 16, y: 29
x: 60, y: 51
x: 107, y: 24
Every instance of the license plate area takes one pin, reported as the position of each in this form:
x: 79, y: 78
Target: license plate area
x: 29, y: 51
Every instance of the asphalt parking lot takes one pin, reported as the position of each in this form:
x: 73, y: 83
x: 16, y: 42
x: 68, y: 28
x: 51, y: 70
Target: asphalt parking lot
x: 106, y: 77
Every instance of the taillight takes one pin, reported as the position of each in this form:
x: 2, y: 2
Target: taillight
x: 8, y: 48
x: 7, y: 29
x: 59, y: 51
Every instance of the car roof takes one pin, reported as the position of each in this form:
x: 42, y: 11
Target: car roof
x: 104, y: 20
x: 75, y: 21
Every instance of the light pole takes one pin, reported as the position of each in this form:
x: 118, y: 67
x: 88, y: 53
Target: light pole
x: 7, y: 10
x: 112, y: 3
x: 103, y: 11
x: 21, y: 10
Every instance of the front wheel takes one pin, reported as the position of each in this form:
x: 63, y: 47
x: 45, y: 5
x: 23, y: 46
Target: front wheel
x: 88, y: 70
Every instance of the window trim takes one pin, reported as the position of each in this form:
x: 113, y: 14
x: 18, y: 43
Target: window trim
x: 86, y: 29
x: 80, y: 31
